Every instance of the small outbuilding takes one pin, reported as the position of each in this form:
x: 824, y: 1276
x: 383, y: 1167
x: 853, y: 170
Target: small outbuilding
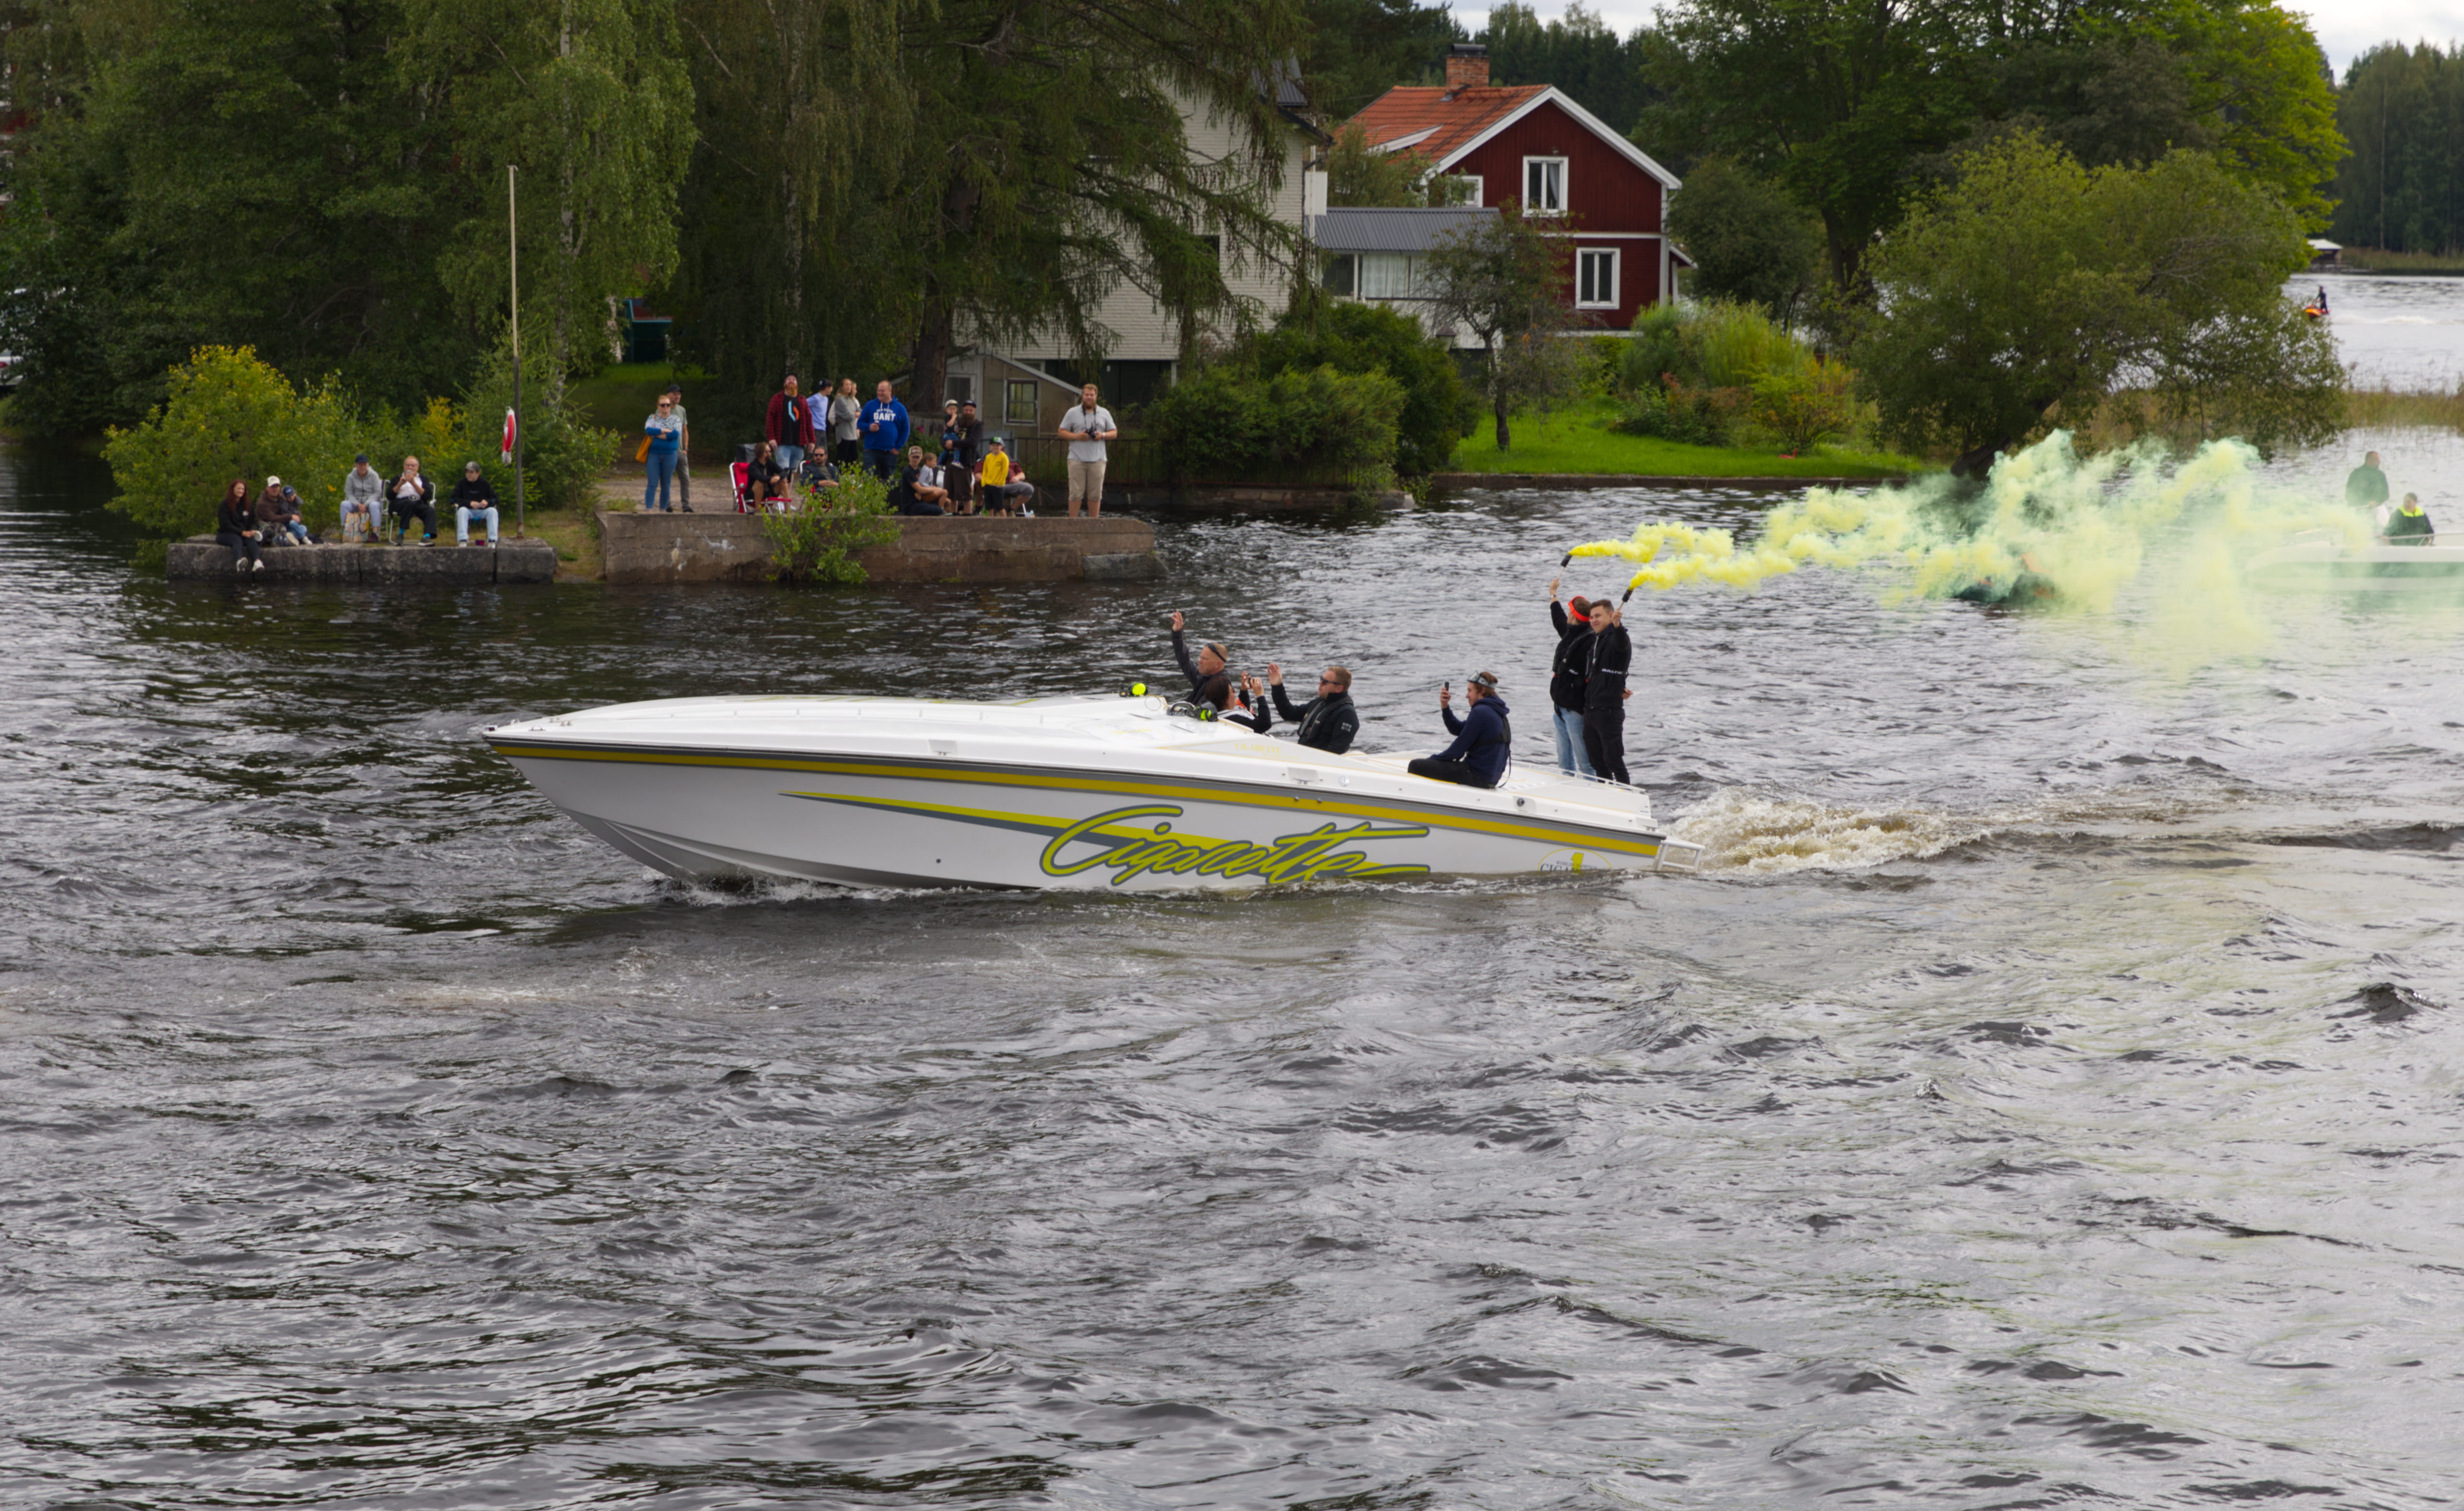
x: 2324, y: 255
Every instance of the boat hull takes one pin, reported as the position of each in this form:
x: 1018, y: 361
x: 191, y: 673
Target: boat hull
x: 869, y: 820
x: 2322, y: 567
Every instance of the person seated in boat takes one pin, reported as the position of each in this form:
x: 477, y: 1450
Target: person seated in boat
x: 1327, y: 722
x: 1248, y: 707
x: 2410, y: 526
x: 1483, y: 737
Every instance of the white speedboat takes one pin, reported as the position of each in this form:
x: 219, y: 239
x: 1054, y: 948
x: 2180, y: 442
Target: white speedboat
x: 2318, y: 565
x: 1116, y: 794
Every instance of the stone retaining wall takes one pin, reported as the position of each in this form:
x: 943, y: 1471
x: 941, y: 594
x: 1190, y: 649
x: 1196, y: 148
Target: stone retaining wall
x: 732, y: 548
x: 199, y: 558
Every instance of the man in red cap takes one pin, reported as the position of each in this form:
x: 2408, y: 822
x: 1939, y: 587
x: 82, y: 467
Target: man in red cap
x: 1566, y: 678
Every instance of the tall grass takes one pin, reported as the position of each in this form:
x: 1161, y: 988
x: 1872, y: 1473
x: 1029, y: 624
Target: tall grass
x: 2369, y: 259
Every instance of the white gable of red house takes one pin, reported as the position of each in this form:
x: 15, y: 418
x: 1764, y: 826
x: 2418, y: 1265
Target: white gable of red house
x: 1531, y: 143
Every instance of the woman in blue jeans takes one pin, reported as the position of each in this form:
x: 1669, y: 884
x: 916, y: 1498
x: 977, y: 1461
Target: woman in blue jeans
x: 664, y: 430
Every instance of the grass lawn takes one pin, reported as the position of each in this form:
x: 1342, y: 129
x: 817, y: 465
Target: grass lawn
x: 618, y: 397
x: 575, y: 537
x: 1579, y: 441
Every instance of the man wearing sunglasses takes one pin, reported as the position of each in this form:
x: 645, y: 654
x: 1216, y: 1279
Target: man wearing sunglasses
x: 1327, y: 722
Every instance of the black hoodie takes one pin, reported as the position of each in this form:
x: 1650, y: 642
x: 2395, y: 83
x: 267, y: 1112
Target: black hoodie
x: 1567, y: 670
x: 1604, y: 670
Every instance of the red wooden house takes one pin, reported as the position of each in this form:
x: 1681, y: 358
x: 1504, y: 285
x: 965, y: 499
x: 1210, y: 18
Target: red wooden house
x: 1531, y: 143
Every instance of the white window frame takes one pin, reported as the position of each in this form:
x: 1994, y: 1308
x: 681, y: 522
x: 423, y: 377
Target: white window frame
x: 1531, y: 201
x: 1615, y: 262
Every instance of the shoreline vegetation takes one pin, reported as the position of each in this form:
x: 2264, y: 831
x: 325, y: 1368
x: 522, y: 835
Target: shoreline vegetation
x: 2416, y: 264
x: 1579, y: 441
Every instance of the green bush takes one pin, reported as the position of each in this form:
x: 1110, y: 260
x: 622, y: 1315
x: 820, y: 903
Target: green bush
x: 1675, y: 410
x: 230, y: 415
x: 1323, y: 426
x: 1656, y: 349
x: 817, y: 541
x: 1713, y: 343
x: 1438, y: 408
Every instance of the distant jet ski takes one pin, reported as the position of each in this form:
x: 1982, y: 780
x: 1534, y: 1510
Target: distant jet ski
x: 2320, y: 565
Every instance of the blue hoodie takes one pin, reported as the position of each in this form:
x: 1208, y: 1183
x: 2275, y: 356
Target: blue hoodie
x: 1480, y: 738
x: 887, y: 413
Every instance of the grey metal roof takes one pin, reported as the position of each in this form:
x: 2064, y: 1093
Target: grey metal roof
x: 1393, y: 229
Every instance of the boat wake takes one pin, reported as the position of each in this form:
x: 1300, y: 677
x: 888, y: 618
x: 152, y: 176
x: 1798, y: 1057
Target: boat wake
x: 1740, y: 831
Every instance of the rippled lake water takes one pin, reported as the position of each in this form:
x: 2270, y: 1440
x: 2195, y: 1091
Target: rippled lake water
x: 2049, y: 1097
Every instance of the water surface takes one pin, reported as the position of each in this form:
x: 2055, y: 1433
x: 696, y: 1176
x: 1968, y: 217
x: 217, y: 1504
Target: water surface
x: 2050, y: 1098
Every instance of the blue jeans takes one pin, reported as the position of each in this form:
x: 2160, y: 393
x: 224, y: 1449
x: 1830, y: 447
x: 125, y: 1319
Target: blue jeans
x: 790, y: 457
x: 659, y: 476
x: 884, y: 463
x: 462, y: 518
x: 1571, y: 754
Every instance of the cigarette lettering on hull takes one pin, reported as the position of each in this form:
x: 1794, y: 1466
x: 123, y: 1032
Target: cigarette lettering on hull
x: 1288, y: 857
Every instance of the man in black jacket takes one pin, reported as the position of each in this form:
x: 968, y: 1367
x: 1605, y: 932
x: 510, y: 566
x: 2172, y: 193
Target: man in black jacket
x: 473, y: 499
x: 1566, y: 678
x: 1208, y: 682
x: 1605, y: 663
x: 1327, y: 722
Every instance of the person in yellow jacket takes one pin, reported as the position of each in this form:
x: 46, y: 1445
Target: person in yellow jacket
x: 996, y: 486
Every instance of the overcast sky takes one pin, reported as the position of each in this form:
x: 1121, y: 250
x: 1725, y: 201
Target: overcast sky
x: 2344, y: 30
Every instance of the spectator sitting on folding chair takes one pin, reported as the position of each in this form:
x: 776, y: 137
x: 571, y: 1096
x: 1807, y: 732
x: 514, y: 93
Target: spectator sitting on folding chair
x: 769, y: 480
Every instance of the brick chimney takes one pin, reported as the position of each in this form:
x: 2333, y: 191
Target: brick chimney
x: 1466, y: 68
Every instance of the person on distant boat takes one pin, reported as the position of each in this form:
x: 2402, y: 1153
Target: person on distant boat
x: 2410, y: 526
x: 1574, y: 624
x: 1484, y: 739
x: 2365, y: 487
x: 1327, y: 722
x: 1248, y: 707
x: 1605, y: 665
x: 1208, y: 682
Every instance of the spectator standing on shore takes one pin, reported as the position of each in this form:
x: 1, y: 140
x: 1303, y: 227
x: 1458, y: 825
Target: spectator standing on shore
x: 885, y: 432
x: 995, y: 485
x: 1086, y: 427
x: 962, y: 444
x: 472, y: 499
x: 684, y: 448
x: 363, y: 502
x: 665, y: 433
x: 846, y: 417
x: 235, y: 527
x: 1573, y: 624
x: 789, y: 425
x: 414, y: 497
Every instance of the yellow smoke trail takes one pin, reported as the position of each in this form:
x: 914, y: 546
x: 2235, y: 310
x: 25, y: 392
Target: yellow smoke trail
x: 2080, y: 530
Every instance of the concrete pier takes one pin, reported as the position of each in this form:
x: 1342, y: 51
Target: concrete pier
x: 732, y: 548
x: 199, y: 558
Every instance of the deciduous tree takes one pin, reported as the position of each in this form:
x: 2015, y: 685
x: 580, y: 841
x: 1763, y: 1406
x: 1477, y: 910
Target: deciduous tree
x: 1503, y: 279
x: 2038, y: 283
